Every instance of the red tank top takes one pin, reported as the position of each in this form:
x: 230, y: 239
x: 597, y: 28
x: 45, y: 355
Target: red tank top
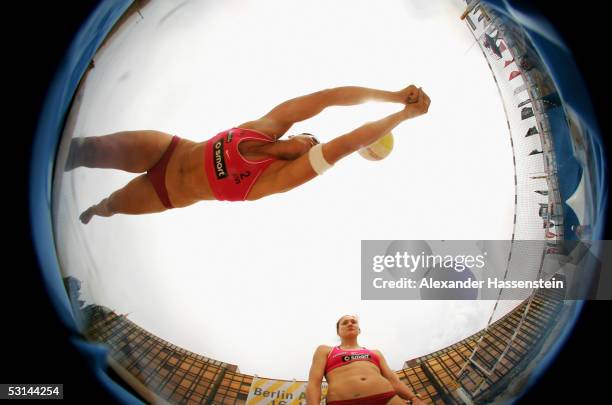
x: 341, y: 357
x: 230, y: 175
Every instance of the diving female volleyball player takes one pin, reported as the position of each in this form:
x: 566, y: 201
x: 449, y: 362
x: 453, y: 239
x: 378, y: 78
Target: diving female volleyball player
x: 246, y: 162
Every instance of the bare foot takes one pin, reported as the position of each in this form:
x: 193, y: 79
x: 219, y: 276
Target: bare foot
x: 86, y: 216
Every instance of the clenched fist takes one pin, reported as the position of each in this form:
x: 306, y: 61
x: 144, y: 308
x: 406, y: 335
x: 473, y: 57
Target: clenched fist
x: 408, y: 94
x: 418, y: 107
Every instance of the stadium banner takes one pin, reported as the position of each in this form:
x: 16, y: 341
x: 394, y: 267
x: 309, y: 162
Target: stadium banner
x: 265, y: 391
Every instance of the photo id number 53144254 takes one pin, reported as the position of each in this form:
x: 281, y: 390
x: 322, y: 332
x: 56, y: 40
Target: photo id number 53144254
x: 31, y: 391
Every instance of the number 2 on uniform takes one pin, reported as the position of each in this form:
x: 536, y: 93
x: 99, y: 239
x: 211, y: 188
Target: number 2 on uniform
x: 238, y: 178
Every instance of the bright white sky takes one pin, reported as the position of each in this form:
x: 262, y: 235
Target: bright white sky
x: 261, y: 284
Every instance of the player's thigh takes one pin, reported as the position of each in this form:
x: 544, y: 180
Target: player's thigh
x: 135, y: 151
x: 136, y: 197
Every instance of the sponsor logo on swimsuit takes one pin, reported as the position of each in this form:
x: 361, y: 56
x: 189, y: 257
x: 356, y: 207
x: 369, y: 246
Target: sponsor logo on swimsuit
x: 219, y: 160
x: 353, y: 357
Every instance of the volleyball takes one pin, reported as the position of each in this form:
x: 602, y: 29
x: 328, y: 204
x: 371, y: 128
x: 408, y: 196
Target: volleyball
x: 379, y: 149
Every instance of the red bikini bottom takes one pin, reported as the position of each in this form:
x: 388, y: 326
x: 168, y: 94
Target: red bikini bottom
x: 157, y: 174
x: 378, y: 399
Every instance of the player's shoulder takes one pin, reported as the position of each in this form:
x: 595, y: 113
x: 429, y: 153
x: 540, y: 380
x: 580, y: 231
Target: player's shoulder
x: 323, y: 349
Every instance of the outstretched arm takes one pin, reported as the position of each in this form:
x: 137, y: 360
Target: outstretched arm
x: 304, y: 107
x: 283, y: 116
x: 363, y: 136
x: 299, y: 171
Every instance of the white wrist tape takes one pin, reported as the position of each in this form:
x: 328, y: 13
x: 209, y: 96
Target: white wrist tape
x: 317, y: 161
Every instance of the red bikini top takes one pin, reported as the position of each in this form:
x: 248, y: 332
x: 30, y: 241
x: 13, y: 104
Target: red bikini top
x: 341, y: 357
x: 230, y: 175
